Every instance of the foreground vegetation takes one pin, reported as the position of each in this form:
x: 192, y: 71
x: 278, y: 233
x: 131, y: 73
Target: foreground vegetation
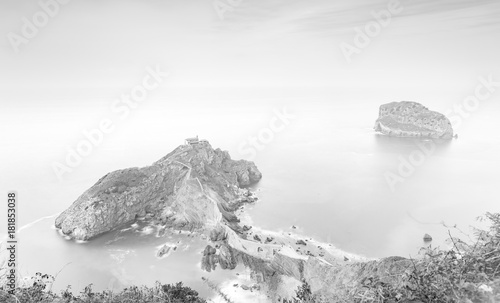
x: 469, y: 272
x: 159, y: 293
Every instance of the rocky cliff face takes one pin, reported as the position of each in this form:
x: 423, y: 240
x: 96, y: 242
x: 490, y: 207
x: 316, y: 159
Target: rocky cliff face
x: 331, y: 275
x: 194, y: 186
x: 198, y: 188
x: 412, y: 119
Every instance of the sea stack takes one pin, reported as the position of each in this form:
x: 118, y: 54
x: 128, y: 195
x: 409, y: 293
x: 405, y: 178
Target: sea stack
x: 412, y: 119
x: 194, y: 186
x: 199, y: 189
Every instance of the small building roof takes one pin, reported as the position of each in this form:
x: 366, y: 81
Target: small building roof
x: 192, y: 139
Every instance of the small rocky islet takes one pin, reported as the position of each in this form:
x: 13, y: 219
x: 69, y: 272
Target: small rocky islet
x: 200, y: 189
x: 412, y: 119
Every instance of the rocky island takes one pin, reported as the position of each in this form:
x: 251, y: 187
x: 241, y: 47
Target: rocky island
x: 192, y: 187
x: 412, y: 119
x: 200, y: 189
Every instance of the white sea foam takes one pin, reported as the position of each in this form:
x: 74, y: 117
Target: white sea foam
x: 35, y: 222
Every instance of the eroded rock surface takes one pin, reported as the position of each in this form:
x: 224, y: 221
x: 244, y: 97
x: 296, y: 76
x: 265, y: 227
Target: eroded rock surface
x: 193, y: 187
x: 412, y: 119
x: 323, y: 268
x: 198, y: 188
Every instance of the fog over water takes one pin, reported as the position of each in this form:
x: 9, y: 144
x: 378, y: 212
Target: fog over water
x: 266, y: 64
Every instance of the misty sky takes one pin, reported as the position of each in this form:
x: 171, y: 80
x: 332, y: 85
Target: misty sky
x: 222, y: 74
x: 99, y: 44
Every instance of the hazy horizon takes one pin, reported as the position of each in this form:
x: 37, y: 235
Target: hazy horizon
x: 231, y: 76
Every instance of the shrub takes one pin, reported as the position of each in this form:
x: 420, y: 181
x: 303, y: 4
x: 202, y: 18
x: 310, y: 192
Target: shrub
x: 303, y: 294
x: 168, y: 293
x: 469, y: 272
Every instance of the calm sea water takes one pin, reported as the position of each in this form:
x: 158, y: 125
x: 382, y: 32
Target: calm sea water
x: 323, y: 171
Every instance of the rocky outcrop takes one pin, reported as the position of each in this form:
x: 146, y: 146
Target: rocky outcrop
x: 323, y: 268
x: 198, y: 188
x: 412, y: 119
x: 193, y: 187
x: 165, y: 250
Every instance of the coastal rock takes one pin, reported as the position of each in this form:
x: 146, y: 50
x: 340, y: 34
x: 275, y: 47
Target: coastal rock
x: 210, y: 259
x: 329, y: 276
x: 301, y: 242
x: 217, y: 234
x: 192, y: 187
x: 197, y: 187
x: 332, y: 281
x: 412, y: 119
x: 165, y: 250
x: 246, y: 172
